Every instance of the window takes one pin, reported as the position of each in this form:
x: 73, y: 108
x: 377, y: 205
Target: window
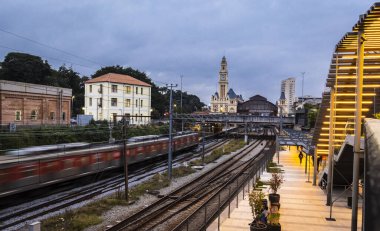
x: 127, y: 102
x: 141, y: 91
x: 90, y: 88
x: 90, y: 102
x: 141, y: 103
x: 100, y: 89
x: 33, y: 115
x: 114, y: 88
x: 113, y: 102
x: 18, y: 115
x: 141, y: 117
x: 52, y: 115
x: 128, y: 89
x: 137, y: 90
x: 137, y: 103
x: 63, y: 116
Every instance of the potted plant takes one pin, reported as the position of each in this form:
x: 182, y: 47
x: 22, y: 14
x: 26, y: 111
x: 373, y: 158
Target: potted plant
x: 274, y: 222
x: 275, y: 184
x: 256, y: 203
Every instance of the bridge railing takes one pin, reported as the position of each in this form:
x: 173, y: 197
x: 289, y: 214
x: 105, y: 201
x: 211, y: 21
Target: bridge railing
x: 234, y: 118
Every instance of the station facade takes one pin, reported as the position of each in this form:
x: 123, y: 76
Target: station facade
x: 224, y: 101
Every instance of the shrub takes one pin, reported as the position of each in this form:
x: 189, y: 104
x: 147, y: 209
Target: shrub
x: 256, y: 202
x: 276, y: 181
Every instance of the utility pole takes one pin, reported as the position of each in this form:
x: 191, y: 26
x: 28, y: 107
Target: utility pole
x: 125, y: 156
x: 181, y: 102
x: 203, y: 141
x: 170, y: 152
x: 303, y: 76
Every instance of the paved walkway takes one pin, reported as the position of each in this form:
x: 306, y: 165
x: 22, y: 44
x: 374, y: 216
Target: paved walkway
x: 302, y: 205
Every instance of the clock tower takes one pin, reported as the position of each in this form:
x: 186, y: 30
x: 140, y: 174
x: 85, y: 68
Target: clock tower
x: 223, y: 79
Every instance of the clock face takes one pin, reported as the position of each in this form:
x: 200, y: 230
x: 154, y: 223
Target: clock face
x: 223, y: 77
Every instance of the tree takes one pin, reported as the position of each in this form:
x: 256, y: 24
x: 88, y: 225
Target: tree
x: 26, y: 68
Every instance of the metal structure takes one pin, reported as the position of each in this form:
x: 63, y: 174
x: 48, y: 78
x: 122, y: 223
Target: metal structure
x: 222, y: 118
x: 353, y: 78
x: 170, y: 152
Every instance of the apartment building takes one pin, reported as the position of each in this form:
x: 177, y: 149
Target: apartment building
x: 112, y: 96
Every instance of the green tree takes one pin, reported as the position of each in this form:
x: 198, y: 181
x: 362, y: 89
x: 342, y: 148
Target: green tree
x: 26, y: 68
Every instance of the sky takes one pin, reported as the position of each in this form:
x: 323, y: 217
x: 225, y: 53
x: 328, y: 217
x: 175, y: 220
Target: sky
x: 264, y: 41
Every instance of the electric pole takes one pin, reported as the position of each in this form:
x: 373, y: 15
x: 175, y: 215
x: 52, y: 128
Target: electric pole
x: 181, y: 102
x: 125, y: 156
x: 303, y: 76
x: 170, y: 151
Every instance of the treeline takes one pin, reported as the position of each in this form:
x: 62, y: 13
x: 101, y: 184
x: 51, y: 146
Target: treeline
x: 25, y: 137
x: 28, y: 68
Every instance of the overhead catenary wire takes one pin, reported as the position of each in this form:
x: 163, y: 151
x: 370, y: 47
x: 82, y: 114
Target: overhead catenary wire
x: 49, y: 46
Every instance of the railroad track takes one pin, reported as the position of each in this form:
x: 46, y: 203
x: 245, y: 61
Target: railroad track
x: 159, y: 216
x: 18, y: 216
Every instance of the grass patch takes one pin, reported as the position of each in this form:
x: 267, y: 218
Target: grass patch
x: 90, y: 214
x: 219, y: 152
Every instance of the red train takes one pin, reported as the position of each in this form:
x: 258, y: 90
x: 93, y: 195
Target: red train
x: 32, y: 172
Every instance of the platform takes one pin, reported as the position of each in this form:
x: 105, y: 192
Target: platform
x: 302, y: 205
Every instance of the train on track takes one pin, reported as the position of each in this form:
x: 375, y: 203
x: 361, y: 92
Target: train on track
x: 36, y: 169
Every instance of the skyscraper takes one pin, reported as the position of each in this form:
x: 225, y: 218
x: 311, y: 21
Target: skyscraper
x: 288, y: 86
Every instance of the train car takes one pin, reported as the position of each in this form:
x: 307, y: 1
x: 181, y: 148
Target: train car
x: 34, y: 171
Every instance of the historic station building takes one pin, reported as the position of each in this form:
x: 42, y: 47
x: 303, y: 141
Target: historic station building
x: 257, y: 105
x: 224, y: 101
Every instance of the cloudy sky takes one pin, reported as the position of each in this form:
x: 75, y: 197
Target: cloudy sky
x: 264, y: 41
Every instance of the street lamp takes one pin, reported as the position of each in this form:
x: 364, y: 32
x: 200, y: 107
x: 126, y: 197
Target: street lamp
x: 72, y: 105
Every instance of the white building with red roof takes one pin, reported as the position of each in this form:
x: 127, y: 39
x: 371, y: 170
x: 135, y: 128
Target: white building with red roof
x: 112, y: 96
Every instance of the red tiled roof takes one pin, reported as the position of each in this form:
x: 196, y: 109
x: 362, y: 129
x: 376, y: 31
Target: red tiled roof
x: 118, y: 78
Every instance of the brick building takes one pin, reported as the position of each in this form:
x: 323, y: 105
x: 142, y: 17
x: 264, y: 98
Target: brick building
x: 33, y: 104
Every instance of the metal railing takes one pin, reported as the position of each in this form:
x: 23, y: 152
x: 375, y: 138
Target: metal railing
x: 221, y: 200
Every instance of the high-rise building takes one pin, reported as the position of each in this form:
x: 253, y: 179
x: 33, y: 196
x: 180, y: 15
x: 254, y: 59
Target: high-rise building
x: 288, y: 86
x: 224, y: 101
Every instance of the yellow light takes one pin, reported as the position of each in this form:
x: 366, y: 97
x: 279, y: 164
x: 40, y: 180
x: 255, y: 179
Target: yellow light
x: 327, y: 122
x: 354, y: 85
x: 346, y: 67
x: 336, y: 140
x: 339, y: 129
x: 327, y: 134
x: 347, y: 109
x: 352, y: 102
x: 342, y: 116
x: 326, y: 145
x: 354, y: 77
x: 354, y: 94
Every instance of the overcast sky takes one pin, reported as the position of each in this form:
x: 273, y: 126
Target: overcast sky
x: 264, y: 41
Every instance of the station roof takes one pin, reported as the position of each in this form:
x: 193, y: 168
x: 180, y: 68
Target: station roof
x: 342, y: 77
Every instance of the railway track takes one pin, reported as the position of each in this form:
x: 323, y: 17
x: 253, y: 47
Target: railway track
x: 16, y: 216
x: 165, y: 213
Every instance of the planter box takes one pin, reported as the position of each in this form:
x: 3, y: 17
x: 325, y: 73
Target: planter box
x: 274, y: 227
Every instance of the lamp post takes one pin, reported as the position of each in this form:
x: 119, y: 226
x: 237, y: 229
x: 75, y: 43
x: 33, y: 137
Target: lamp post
x: 72, y: 105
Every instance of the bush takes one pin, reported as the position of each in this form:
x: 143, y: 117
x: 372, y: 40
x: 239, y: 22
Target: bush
x: 256, y: 202
x: 276, y: 181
